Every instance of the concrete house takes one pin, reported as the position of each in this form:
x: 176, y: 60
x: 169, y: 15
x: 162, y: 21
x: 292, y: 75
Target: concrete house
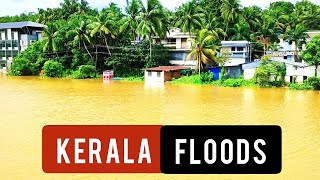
x: 239, y: 52
x: 163, y: 73
x: 296, y: 71
x: 179, y: 44
x: 287, y: 51
x: 15, y: 37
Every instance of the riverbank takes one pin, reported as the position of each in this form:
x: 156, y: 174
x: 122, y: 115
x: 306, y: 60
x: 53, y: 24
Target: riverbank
x: 312, y: 83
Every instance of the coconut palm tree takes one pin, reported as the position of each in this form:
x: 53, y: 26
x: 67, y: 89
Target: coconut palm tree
x: 230, y: 12
x: 267, y: 33
x: 240, y: 31
x: 214, y: 25
x: 130, y: 23
x: 190, y: 17
x: 81, y: 34
x: 298, y: 35
x: 204, y: 49
x: 152, y: 22
x: 104, y: 26
x: 50, y: 32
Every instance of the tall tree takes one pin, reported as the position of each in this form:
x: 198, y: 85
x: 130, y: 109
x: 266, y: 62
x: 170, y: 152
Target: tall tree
x: 104, y: 25
x: 49, y: 34
x: 81, y: 34
x: 214, y: 25
x: 267, y: 33
x: 240, y: 31
x: 190, y: 17
x: 130, y: 22
x: 204, y: 49
x: 298, y: 35
x: 230, y: 12
x: 312, y: 53
x: 152, y: 22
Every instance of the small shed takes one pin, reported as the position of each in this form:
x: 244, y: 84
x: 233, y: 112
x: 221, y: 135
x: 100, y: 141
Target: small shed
x: 163, y: 73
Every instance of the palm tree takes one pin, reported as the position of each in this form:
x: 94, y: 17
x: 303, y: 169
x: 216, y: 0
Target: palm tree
x: 252, y: 15
x: 267, y: 33
x: 298, y: 35
x: 214, y: 25
x: 81, y: 34
x: 104, y: 26
x: 50, y: 32
x: 240, y: 31
x: 203, y: 49
x: 131, y: 22
x: 230, y: 12
x: 152, y: 22
x: 190, y: 17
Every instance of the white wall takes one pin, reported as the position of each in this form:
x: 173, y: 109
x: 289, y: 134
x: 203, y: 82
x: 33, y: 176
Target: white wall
x: 9, y: 35
x: 248, y: 73
x: 153, y: 77
x: 235, y: 61
x: 299, y: 73
x: 178, y: 43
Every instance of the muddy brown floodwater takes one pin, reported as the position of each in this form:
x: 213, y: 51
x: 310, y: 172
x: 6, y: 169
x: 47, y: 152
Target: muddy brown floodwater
x: 29, y: 103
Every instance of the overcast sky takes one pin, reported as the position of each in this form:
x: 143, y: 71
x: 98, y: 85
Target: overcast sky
x: 13, y: 7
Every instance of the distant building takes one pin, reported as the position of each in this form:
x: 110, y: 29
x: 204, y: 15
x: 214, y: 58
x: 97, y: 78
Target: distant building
x: 287, y: 51
x: 239, y: 52
x: 296, y: 71
x: 15, y: 37
x: 179, y: 44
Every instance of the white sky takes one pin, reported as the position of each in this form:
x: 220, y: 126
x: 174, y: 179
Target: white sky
x: 14, y: 7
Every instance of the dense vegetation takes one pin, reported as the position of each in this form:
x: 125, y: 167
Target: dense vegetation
x: 79, y: 35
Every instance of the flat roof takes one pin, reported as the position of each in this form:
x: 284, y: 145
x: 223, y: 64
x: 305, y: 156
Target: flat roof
x: 235, y: 43
x: 18, y: 25
x: 167, y: 68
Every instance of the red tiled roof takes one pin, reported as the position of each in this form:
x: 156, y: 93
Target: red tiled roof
x: 167, y: 68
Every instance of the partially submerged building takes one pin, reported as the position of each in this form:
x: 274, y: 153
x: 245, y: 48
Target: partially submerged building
x: 163, y: 73
x: 15, y: 37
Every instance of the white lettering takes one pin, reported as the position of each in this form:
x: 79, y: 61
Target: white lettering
x: 113, y: 151
x: 262, y: 154
x: 179, y: 151
x: 223, y: 151
x: 214, y: 151
x: 144, y: 151
x: 61, y: 150
x: 94, y: 152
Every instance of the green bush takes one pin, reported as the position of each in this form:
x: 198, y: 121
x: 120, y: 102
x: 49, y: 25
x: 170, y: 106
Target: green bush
x: 194, y: 79
x: 206, y: 77
x: 85, y: 72
x: 23, y: 67
x: 304, y: 86
x: 232, y: 83
x: 314, y: 82
x: 53, y: 69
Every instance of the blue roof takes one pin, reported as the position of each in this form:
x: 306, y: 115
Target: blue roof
x: 18, y: 25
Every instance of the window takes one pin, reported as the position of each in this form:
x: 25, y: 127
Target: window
x: 240, y: 48
x: 305, y: 78
x: 149, y: 73
x: 233, y: 48
x: 285, y: 57
x: 158, y: 74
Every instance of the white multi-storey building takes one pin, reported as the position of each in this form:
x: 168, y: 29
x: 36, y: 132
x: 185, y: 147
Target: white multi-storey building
x: 16, y: 37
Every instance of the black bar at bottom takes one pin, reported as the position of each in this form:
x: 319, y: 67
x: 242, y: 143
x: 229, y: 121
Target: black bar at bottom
x: 221, y: 149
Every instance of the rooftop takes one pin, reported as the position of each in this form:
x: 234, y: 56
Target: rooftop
x: 18, y: 25
x: 167, y: 68
x: 235, y: 43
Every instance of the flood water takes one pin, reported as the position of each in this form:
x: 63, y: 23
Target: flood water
x: 29, y: 103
